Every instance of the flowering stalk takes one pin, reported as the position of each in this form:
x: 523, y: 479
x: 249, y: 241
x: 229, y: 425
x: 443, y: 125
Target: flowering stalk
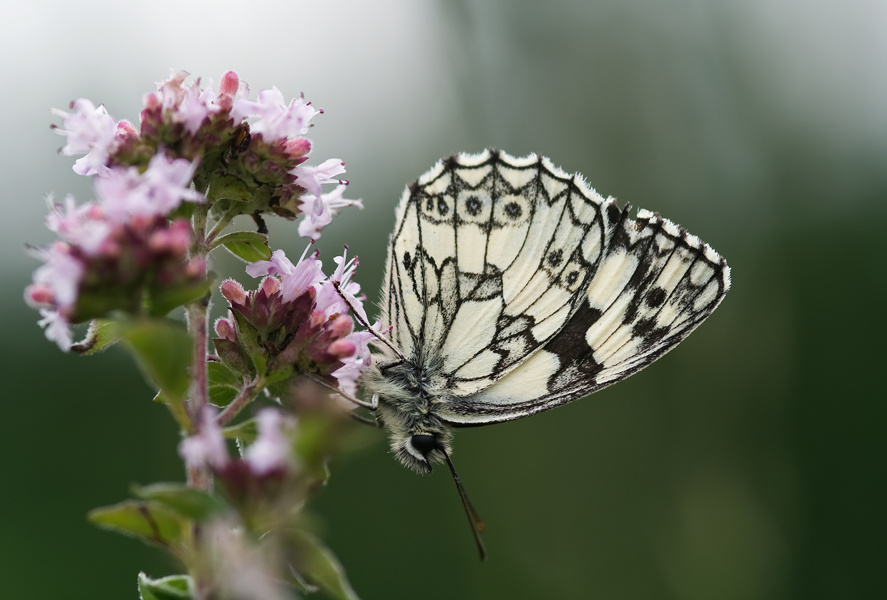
x: 166, y: 193
x: 197, y: 318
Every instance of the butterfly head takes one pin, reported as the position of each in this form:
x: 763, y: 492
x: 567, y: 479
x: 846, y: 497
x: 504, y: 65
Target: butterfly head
x: 417, y: 440
x: 422, y: 447
x: 419, y: 449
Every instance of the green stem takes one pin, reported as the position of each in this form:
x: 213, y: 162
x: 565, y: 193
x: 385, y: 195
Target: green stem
x: 220, y: 225
x: 246, y: 395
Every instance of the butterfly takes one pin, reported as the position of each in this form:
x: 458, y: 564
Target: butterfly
x: 513, y: 287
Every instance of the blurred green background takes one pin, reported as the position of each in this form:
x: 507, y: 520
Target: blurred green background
x: 749, y: 463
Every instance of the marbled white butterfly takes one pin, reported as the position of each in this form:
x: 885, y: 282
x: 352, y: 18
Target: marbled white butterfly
x: 513, y: 287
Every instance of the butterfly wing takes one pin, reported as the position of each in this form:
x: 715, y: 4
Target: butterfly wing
x: 523, y: 289
x: 654, y: 284
x: 487, y: 262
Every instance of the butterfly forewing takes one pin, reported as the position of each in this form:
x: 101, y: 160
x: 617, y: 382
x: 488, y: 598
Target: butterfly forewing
x: 523, y: 288
x: 486, y: 261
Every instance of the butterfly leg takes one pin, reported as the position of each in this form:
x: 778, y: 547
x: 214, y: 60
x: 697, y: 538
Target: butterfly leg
x: 373, y: 404
x: 365, y: 420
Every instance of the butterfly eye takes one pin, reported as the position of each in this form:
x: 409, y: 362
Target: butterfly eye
x: 424, y: 443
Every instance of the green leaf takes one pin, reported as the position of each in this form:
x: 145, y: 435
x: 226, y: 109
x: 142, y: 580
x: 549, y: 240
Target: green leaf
x: 150, y: 521
x: 229, y: 188
x: 187, y: 502
x: 173, y: 587
x: 249, y: 341
x: 249, y: 246
x: 223, y: 384
x: 102, y: 335
x: 245, y: 431
x: 162, y: 299
x: 163, y: 350
x: 184, y: 211
x: 320, y: 566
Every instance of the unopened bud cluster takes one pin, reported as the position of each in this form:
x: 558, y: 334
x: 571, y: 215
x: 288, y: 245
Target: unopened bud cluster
x: 297, y: 322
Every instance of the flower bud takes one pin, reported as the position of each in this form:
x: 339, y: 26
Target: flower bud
x: 195, y: 268
x: 297, y: 148
x: 39, y: 294
x: 233, y: 292
x: 340, y: 327
x: 270, y: 286
x: 341, y: 349
x: 225, y: 329
x: 228, y: 88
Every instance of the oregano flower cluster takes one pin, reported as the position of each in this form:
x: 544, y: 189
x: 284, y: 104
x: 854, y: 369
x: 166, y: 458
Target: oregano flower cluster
x: 165, y: 194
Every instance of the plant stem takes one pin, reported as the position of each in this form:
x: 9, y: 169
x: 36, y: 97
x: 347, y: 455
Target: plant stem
x: 246, y: 395
x: 219, y: 225
x: 197, y: 326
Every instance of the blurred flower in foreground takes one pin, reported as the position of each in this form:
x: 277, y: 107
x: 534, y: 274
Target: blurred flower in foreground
x: 269, y: 455
x: 241, y: 568
x: 207, y: 447
x: 119, y: 252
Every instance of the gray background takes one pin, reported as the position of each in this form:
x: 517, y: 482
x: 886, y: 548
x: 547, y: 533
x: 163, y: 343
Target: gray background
x: 746, y: 464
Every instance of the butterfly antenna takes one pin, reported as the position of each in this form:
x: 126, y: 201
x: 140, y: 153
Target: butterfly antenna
x: 477, y: 525
x: 356, y: 316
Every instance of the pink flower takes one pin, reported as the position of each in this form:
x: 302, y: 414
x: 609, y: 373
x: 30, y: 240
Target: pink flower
x: 84, y: 226
x: 361, y: 340
x: 55, y: 290
x: 294, y: 279
x: 348, y: 375
x: 300, y: 321
x: 197, y: 106
x: 233, y: 292
x: 100, y: 264
x: 89, y: 130
x: 276, y: 120
x: 60, y: 272
x: 125, y: 193
x: 332, y: 300
x: 224, y: 328
x: 311, y: 178
x: 231, y: 89
x: 172, y: 92
x: 272, y: 449
x: 206, y: 448
x: 56, y: 327
x: 318, y: 211
x: 177, y: 102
